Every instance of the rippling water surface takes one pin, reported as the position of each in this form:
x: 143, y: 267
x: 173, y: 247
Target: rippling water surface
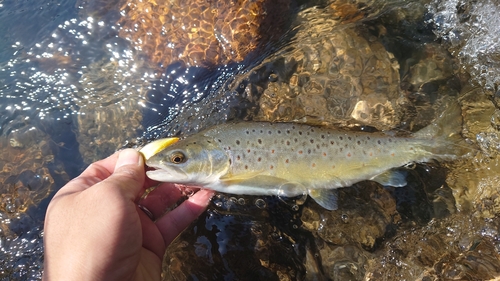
x: 81, y: 79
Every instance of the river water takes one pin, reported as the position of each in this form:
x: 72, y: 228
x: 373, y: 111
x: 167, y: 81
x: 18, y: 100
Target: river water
x: 82, y: 78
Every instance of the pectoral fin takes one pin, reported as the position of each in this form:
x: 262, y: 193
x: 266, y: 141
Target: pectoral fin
x: 230, y: 179
x: 396, y: 178
x: 326, y: 198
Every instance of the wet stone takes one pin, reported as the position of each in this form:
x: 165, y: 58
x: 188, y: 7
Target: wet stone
x: 369, y: 217
x: 338, y: 76
x: 24, y: 176
x: 203, y: 37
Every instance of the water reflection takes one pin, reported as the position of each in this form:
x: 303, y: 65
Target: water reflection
x: 75, y: 88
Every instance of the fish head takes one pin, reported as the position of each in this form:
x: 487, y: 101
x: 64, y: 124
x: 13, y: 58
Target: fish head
x: 194, y: 160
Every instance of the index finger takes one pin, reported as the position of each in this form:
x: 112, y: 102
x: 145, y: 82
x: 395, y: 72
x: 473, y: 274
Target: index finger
x: 174, y: 222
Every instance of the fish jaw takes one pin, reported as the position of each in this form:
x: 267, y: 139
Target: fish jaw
x: 167, y: 175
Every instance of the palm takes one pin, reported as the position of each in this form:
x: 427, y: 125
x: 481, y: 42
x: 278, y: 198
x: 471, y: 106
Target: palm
x: 94, y: 229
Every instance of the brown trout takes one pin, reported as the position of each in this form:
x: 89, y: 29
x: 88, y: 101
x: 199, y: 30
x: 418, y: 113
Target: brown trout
x: 287, y: 159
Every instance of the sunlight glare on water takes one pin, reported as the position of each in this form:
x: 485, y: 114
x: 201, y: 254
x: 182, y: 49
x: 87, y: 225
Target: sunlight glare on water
x: 471, y: 30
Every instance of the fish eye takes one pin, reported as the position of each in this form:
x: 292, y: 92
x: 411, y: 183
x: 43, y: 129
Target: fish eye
x: 177, y: 157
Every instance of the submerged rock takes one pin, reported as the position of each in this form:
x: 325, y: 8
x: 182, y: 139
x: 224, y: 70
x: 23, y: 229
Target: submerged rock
x: 202, y: 33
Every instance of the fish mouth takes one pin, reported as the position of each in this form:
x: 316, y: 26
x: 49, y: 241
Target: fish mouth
x: 164, y: 175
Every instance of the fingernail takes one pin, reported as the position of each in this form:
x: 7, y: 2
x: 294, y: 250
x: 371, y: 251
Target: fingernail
x: 128, y: 157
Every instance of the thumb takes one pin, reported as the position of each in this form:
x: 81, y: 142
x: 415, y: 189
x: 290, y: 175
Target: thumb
x: 128, y: 174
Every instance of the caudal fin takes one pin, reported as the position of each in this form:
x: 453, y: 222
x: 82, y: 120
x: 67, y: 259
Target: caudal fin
x: 446, y: 134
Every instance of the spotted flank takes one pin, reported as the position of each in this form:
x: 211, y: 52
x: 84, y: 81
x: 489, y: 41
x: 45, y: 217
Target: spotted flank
x: 257, y: 158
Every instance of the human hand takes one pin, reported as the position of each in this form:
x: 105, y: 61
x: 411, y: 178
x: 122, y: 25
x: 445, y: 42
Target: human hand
x: 94, y: 229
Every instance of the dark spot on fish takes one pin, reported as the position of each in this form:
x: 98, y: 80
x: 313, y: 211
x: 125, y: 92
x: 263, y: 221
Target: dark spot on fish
x: 259, y: 141
x: 324, y: 154
x: 269, y: 132
x: 295, y: 140
x: 293, y: 127
x: 272, y: 151
x: 248, y: 150
x: 286, y: 161
x: 308, y: 151
x: 359, y: 142
x: 307, y: 133
x: 411, y: 148
x: 300, y: 151
x: 247, y: 132
x: 312, y: 130
x: 219, y: 140
x: 194, y: 142
x: 333, y: 167
x: 368, y: 138
x: 317, y: 146
x: 341, y: 138
x: 272, y: 167
x: 346, y: 145
x: 349, y: 154
x: 209, y: 141
x: 230, y: 162
x: 237, y: 142
x: 288, y: 131
x: 287, y: 142
x: 332, y: 142
x: 392, y: 154
x: 246, y: 167
x: 322, y: 136
x: 261, y: 131
x: 228, y: 148
x: 349, y: 138
x: 238, y: 157
x: 300, y: 133
x: 390, y: 140
x: 279, y: 132
x: 313, y: 165
x: 253, y: 130
x: 259, y: 159
x: 311, y: 140
x: 378, y: 142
